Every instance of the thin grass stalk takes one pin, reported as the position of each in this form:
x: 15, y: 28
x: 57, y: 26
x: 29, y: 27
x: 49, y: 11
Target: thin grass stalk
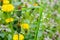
x: 38, y: 24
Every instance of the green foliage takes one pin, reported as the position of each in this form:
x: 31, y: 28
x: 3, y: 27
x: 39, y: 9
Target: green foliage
x: 43, y: 20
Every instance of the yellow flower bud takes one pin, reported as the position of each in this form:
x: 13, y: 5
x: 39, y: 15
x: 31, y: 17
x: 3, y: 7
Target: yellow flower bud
x: 9, y: 20
x: 21, y: 37
x: 25, y: 26
x: 15, y: 37
x: 35, y: 4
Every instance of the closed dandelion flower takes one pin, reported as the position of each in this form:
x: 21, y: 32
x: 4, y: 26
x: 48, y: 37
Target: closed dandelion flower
x: 15, y: 37
x: 21, y: 37
x: 7, y: 8
x: 9, y: 20
x: 25, y: 26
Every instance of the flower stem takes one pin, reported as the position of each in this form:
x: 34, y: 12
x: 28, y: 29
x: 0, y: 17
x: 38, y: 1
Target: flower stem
x: 12, y: 30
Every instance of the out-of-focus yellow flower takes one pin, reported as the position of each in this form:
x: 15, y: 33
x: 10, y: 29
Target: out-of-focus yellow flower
x: 9, y: 20
x: 21, y: 37
x: 5, y: 2
x: 7, y: 8
x: 15, y: 37
x: 25, y: 26
x: 35, y: 4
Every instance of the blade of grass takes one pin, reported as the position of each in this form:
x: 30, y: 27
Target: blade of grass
x: 38, y: 23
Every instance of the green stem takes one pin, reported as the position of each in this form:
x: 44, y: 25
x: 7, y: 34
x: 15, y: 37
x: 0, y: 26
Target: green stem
x: 38, y: 23
x: 12, y: 30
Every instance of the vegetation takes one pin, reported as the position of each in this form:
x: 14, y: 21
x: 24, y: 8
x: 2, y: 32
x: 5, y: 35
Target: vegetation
x: 29, y: 19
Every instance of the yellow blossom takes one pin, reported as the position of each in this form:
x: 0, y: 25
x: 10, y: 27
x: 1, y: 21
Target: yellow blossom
x: 7, y: 8
x: 15, y: 37
x: 5, y: 2
x: 25, y: 26
x: 21, y: 37
x: 35, y: 4
x: 9, y: 20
